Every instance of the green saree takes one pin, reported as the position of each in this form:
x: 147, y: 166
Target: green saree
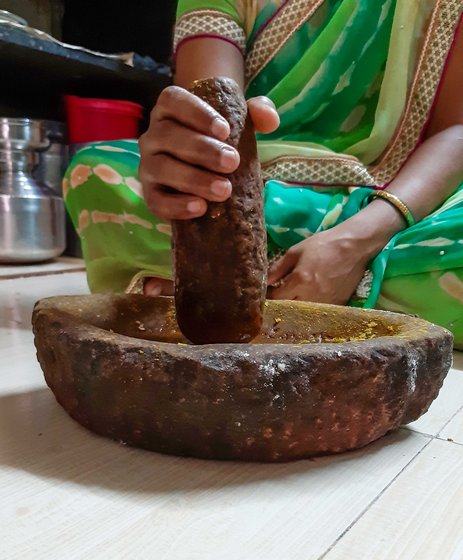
x: 354, y: 82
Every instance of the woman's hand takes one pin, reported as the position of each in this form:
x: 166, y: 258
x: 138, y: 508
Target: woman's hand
x: 325, y: 268
x: 184, y: 157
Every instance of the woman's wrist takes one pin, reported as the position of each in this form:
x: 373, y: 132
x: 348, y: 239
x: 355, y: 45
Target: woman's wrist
x: 371, y: 229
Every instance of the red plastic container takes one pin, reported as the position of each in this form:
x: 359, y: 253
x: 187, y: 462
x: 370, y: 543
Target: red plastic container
x: 95, y: 120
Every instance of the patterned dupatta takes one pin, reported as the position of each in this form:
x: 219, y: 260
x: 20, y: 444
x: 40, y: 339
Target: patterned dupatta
x: 354, y: 82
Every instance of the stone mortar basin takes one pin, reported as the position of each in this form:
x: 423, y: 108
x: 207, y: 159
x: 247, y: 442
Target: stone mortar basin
x: 320, y: 379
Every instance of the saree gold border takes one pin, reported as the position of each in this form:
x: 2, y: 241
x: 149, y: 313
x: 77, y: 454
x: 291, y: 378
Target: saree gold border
x: 208, y: 21
x: 337, y: 171
x: 439, y: 38
x: 137, y: 284
x: 285, y: 24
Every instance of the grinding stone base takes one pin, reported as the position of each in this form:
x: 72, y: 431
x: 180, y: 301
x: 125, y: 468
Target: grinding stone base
x: 320, y: 380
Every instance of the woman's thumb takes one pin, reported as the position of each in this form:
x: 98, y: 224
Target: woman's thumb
x: 263, y: 114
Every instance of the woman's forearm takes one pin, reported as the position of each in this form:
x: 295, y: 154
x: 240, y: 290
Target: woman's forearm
x: 433, y: 173
x: 205, y: 58
x: 429, y: 177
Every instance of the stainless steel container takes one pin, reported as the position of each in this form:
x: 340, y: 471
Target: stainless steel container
x: 53, y: 160
x: 32, y: 217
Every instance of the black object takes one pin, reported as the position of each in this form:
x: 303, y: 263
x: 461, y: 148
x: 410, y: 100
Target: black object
x: 37, y: 72
x: 141, y: 26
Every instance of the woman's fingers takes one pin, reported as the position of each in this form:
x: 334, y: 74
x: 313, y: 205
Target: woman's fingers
x: 288, y: 289
x: 184, y: 158
x: 162, y: 169
x: 282, y: 267
x: 264, y: 114
x: 189, y: 146
x: 158, y: 287
x: 170, y: 205
x: 183, y: 162
x: 179, y: 104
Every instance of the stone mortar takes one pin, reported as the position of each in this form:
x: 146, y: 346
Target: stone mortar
x: 319, y: 380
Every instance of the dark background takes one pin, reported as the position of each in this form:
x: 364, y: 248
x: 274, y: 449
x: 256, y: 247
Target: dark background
x: 36, y: 73
x: 143, y: 26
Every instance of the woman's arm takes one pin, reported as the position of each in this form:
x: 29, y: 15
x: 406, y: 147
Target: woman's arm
x: 429, y: 177
x: 433, y: 172
x: 328, y: 266
x: 198, y: 59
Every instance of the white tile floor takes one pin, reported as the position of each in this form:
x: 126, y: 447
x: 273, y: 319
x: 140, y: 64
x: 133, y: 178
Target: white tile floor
x: 64, y: 264
x: 66, y: 494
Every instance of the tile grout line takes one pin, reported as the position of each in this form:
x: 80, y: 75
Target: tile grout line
x: 375, y: 499
x: 40, y: 274
x: 448, y: 422
x: 446, y: 440
x: 415, y: 431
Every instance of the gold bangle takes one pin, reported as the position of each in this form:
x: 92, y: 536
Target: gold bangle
x: 398, y: 205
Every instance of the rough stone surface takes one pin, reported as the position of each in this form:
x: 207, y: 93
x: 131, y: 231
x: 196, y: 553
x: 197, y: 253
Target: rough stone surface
x: 120, y: 366
x: 220, y: 259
